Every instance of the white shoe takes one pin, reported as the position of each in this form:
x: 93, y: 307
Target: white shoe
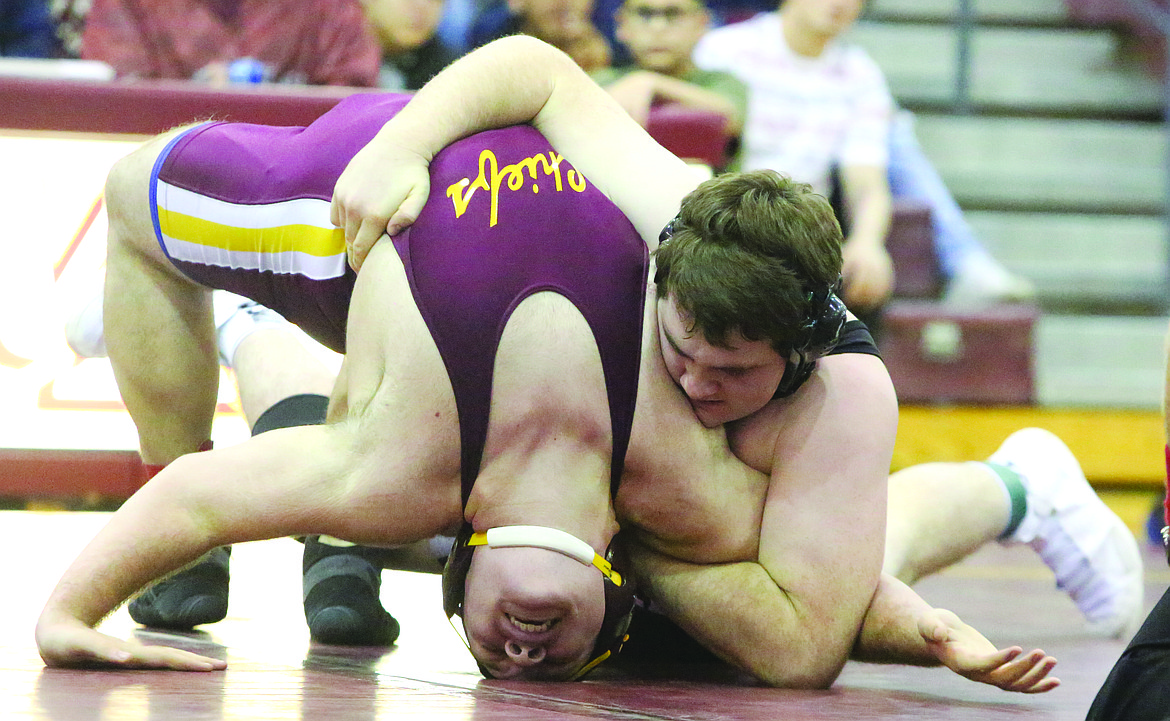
x: 235, y: 318
x: 1092, y: 552
x: 84, y: 331
x: 981, y: 281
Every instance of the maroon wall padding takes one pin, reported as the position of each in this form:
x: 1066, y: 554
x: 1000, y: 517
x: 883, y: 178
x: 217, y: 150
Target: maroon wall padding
x: 150, y: 107
x: 910, y: 242
x: 939, y: 354
x: 147, y: 107
x: 54, y: 474
x: 690, y: 134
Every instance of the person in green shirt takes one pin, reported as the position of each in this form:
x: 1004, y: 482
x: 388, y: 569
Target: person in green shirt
x: 660, y: 35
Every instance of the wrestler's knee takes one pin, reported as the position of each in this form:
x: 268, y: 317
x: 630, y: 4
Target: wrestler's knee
x: 127, y: 197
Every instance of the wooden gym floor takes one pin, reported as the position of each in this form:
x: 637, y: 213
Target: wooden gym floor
x: 274, y: 672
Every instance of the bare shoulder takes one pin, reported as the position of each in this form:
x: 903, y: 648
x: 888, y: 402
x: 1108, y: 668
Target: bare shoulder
x: 848, y: 402
x: 589, y: 128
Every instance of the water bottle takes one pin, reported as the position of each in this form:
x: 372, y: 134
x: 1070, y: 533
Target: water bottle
x: 247, y: 71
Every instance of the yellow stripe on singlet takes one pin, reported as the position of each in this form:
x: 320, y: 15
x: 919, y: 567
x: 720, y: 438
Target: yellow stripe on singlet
x: 286, y: 237
x: 308, y: 239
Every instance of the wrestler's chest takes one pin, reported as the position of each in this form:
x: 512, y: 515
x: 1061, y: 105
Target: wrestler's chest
x: 694, y: 504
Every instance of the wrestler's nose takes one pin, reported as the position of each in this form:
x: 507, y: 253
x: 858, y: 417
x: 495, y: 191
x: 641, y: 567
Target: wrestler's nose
x: 524, y: 654
x: 697, y: 383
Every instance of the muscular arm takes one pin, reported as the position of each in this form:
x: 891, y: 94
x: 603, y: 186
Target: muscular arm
x: 791, y: 617
x: 823, y: 526
x: 900, y: 627
x: 286, y: 482
x: 738, y: 613
x: 510, y: 81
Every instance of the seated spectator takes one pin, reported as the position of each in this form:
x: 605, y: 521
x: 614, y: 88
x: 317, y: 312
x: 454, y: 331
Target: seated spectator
x: 315, y: 42
x: 412, y: 52
x: 973, y: 276
x: 818, y: 105
x: 27, y: 30
x: 565, y: 24
x: 69, y: 19
x: 660, y: 35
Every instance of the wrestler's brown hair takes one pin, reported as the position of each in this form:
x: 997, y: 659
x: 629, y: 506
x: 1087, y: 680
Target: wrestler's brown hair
x: 744, y: 255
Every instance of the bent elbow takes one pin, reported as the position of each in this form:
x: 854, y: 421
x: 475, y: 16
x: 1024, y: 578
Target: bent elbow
x: 811, y: 666
x: 813, y: 676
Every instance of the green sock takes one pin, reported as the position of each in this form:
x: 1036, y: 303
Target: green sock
x: 1017, y: 494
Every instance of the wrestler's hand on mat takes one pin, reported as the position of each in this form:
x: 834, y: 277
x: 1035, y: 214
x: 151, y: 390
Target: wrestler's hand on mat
x: 73, y: 644
x: 965, y: 651
x: 381, y: 190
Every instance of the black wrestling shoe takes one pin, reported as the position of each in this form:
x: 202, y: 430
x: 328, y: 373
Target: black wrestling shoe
x: 192, y: 597
x: 341, y: 586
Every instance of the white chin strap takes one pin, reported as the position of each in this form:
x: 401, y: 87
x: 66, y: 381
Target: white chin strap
x: 551, y: 539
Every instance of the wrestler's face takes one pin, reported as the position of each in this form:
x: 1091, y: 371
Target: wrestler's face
x: 722, y: 384
x: 531, y: 613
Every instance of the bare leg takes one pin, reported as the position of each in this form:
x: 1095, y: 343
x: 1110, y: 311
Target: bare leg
x: 938, y: 514
x: 161, y: 342
x: 271, y: 364
x: 157, y: 322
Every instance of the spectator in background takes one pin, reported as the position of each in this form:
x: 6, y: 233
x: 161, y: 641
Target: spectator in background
x: 819, y: 106
x: 315, y: 42
x: 27, y: 30
x: 973, y: 276
x: 412, y: 52
x: 69, y: 19
x: 660, y: 36
x: 564, y: 24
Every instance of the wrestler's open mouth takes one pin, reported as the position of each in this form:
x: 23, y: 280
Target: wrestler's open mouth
x: 532, y: 626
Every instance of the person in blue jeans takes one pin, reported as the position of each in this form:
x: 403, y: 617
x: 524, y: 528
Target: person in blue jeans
x: 972, y: 275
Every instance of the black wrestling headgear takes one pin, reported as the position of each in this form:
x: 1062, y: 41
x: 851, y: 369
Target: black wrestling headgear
x: 817, y: 334
x: 619, y: 587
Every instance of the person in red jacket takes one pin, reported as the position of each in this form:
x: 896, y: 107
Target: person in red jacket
x: 313, y: 42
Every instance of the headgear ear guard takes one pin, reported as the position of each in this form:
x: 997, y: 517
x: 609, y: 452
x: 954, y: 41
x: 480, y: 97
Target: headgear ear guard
x: 815, y: 337
x: 619, y: 587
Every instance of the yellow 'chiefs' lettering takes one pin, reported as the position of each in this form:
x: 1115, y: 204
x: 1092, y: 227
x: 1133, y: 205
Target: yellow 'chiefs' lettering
x: 492, y: 178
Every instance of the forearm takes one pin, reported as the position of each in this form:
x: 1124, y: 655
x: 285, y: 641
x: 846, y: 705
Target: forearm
x: 738, y: 613
x: 890, y: 632
x: 149, y: 536
x: 690, y: 95
x: 503, y: 83
x: 869, y: 216
x: 280, y: 483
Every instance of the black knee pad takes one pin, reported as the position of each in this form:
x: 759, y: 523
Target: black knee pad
x: 306, y: 409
